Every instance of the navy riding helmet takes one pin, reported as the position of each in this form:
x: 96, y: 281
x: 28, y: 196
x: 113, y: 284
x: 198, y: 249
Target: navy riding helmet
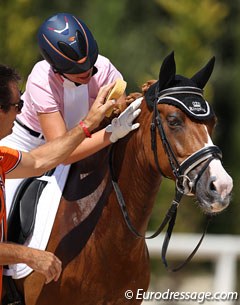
x: 67, y: 44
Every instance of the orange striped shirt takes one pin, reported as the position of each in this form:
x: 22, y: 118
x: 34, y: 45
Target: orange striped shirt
x: 9, y: 159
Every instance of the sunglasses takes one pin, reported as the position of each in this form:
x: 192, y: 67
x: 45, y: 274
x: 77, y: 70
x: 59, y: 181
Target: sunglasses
x: 18, y: 106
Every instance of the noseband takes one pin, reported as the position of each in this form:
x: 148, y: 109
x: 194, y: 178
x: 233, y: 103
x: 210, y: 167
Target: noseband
x: 184, y: 184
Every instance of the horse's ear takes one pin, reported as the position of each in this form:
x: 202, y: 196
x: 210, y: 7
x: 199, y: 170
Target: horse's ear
x: 202, y: 76
x: 167, y: 72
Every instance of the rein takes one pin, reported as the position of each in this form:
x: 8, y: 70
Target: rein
x: 184, y: 184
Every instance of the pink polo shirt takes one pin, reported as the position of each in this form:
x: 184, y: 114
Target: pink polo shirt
x: 45, y: 91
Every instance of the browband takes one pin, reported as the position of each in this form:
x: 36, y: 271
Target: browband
x: 196, y: 107
x: 181, y: 90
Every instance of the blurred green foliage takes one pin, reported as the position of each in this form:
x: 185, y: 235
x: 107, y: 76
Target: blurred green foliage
x: 136, y: 35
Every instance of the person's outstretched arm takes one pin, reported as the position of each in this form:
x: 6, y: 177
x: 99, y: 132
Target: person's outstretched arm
x: 49, y: 155
x: 40, y: 261
x: 88, y: 146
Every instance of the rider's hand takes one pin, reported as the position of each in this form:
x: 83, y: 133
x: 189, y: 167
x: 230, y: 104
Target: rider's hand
x: 123, y: 124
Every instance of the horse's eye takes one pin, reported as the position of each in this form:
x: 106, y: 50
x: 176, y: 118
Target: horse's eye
x: 174, y: 121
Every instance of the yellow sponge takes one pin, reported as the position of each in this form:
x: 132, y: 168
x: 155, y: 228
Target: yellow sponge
x: 115, y: 93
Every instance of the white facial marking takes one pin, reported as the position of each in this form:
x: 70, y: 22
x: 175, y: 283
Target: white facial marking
x: 209, y: 142
x: 223, y: 183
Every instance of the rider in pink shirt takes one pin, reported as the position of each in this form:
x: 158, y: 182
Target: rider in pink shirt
x: 61, y: 89
x: 45, y: 90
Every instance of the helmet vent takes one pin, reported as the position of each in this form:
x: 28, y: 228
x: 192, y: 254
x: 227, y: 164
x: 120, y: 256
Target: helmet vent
x: 68, y: 50
x: 82, y: 43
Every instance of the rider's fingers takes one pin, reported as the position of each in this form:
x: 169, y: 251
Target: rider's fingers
x: 103, y: 92
x: 136, y: 104
x: 135, y: 126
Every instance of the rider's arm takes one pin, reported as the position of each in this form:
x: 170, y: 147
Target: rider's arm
x: 43, y: 262
x: 49, y: 155
x: 53, y: 125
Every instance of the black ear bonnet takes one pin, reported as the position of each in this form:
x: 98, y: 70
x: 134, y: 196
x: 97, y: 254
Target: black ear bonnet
x: 179, y: 91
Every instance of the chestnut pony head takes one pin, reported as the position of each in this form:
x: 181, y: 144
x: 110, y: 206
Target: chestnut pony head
x: 182, y: 124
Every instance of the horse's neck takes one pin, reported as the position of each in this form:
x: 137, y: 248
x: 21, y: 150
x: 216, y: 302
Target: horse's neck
x: 138, y: 181
x: 89, y: 186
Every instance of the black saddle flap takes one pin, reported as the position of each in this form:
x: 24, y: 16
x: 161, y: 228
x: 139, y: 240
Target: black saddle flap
x: 22, y: 214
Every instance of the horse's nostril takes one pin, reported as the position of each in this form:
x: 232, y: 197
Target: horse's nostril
x: 212, y: 186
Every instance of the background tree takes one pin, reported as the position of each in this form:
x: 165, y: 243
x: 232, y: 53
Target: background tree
x: 136, y: 35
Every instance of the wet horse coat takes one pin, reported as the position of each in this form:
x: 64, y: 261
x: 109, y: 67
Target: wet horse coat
x: 101, y: 257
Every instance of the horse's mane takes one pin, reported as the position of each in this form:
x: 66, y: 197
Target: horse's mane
x: 131, y: 97
x: 135, y: 95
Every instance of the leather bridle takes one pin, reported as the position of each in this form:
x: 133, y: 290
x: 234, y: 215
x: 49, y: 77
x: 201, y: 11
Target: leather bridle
x: 184, y: 184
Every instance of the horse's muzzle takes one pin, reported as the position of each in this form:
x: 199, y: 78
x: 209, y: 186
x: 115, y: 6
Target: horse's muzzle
x: 214, y: 188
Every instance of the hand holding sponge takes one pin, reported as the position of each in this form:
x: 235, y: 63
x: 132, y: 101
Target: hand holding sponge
x: 115, y: 93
